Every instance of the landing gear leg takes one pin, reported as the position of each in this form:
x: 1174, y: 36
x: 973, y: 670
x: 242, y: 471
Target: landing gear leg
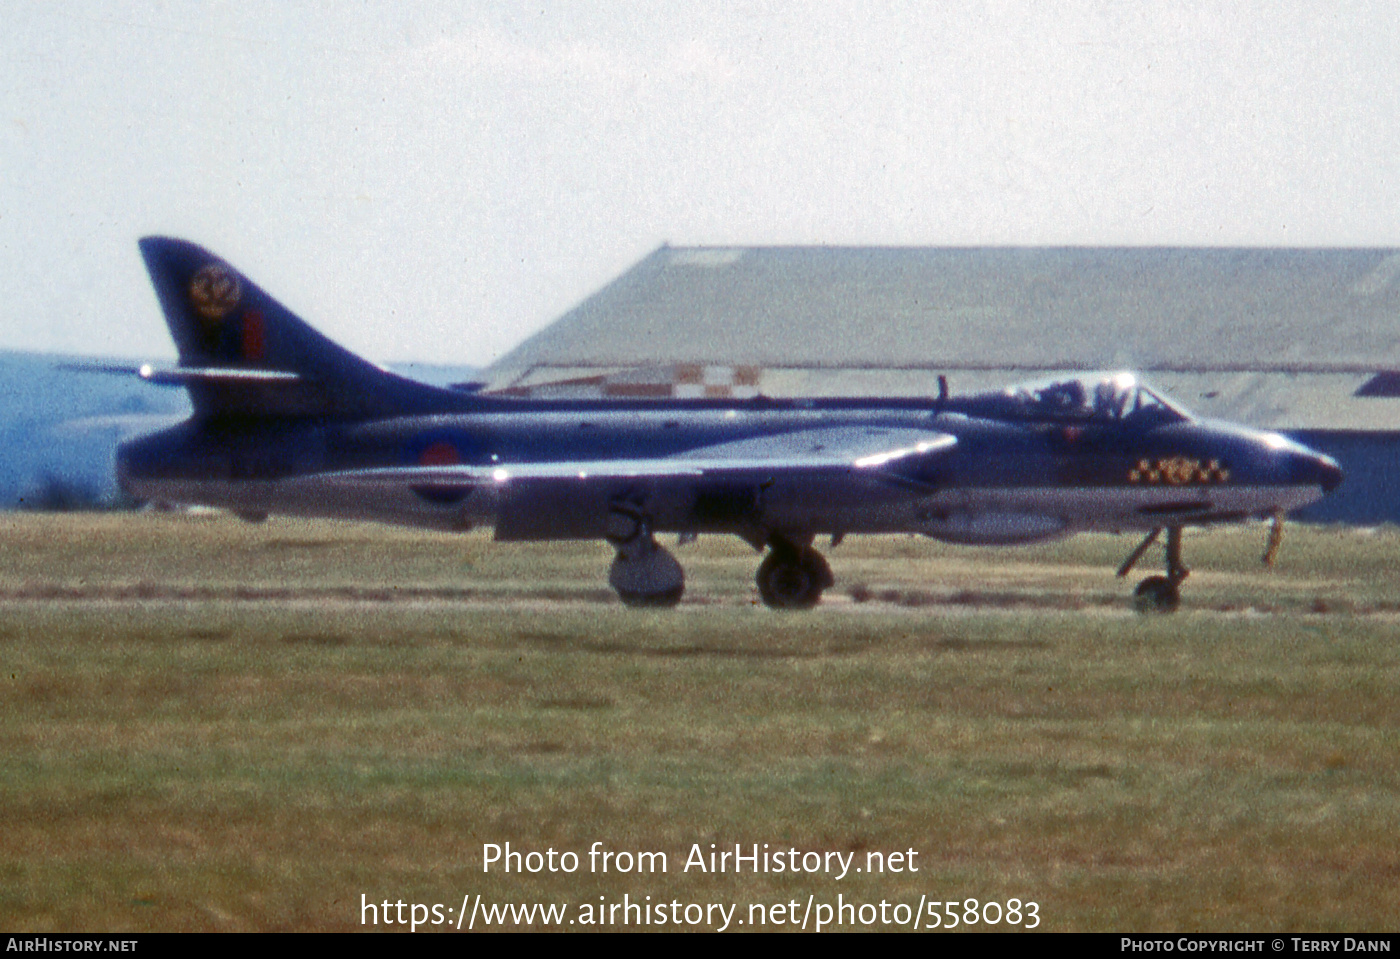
x: 643, y: 573
x: 1159, y: 594
x: 792, y: 576
x: 1275, y: 539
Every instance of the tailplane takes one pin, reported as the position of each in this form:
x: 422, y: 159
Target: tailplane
x: 243, y: 353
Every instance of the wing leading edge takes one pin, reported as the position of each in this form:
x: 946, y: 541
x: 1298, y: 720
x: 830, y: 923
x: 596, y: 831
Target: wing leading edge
x: 876, y: 450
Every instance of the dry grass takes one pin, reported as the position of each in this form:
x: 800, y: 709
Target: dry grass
x: 214, y: 726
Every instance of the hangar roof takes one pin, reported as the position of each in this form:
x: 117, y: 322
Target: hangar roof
x: 991, y: 308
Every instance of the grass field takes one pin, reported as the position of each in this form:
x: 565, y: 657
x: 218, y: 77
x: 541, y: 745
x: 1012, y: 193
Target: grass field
x: 209, y: 726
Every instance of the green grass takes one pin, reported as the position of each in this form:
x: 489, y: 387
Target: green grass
x: 208, y: 725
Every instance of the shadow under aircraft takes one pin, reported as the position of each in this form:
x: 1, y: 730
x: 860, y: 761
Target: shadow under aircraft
x: 285, y: 421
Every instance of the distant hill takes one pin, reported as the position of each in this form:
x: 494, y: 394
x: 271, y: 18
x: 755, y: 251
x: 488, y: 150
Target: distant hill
x: 59, y: 428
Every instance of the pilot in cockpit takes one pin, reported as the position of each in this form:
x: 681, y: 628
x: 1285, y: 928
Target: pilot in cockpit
x: 1109, y: 400
x: 1065, y: 398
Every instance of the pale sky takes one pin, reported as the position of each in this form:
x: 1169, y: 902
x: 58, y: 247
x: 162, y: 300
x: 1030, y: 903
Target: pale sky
x: 434, y: 182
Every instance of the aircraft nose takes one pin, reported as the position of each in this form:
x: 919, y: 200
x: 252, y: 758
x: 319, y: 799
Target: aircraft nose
x: 1315, y: 469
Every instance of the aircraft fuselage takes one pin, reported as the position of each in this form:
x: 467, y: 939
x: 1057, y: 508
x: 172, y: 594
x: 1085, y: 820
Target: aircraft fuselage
x: 1005, y: 481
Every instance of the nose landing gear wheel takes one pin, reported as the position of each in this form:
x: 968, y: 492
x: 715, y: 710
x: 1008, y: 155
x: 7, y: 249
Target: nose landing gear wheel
x: 1156, y: 594
x: 1159, y: 594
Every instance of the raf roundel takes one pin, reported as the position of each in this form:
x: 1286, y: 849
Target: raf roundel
x: 214, y: 291
x: 440, y: 453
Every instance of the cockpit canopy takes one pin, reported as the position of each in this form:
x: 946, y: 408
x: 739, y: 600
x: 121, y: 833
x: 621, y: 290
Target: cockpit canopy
x: 1102, y: 397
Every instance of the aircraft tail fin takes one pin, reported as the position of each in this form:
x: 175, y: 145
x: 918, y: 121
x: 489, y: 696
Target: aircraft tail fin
x: 243, y: 353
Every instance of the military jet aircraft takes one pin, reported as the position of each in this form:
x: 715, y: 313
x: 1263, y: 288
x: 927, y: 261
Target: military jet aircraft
x: 285, y: 421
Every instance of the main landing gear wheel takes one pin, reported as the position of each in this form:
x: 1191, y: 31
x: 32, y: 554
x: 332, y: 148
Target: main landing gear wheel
x: 644, y: 574
x: 793, y: 577
x: 1159, y: 594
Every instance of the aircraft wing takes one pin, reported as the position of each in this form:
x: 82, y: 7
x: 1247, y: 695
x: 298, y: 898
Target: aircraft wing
x: 871, y: 448
x: 878, y: 450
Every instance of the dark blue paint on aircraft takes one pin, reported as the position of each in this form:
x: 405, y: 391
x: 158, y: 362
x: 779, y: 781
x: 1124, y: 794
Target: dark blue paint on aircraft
x: 286, y: 421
